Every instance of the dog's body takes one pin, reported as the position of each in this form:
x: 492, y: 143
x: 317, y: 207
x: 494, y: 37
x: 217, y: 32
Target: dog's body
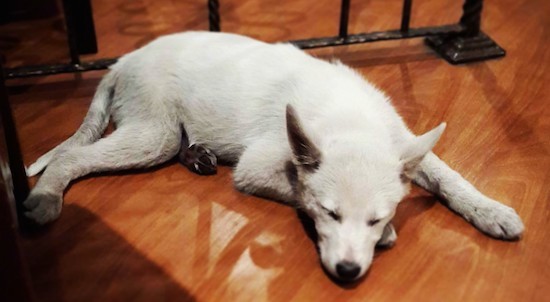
x: 341, y: 151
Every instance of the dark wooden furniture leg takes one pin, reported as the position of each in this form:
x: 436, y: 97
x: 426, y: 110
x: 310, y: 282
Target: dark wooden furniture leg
x: 14, y: 159
x: 14, y: 276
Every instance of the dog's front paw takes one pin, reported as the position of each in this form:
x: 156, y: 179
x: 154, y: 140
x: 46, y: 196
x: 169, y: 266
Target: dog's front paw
x: 497, y: 220
x: 43, y: 207
x: 388, y: 237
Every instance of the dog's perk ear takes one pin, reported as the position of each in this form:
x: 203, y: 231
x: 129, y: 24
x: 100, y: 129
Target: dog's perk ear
x: 418, y: 148
x: 305, y: 153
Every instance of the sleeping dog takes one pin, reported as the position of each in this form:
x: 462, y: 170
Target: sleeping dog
x: 298, y: 129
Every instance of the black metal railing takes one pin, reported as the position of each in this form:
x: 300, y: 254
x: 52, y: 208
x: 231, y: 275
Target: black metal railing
x: 457, y: 43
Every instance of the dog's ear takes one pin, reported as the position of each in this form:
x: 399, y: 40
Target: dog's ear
x: 418, y: 148
x: 305, y: 153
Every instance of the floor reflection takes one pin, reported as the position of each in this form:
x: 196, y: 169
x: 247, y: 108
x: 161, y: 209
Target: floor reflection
x: 224, y: 226
x: 249, y: 280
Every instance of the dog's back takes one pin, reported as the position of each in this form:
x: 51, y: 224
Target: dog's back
x: 228, y: 90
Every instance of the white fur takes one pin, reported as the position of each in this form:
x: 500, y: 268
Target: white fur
x: 230, y: 93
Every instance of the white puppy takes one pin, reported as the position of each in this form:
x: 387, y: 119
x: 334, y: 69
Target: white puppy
x: 298, y: 129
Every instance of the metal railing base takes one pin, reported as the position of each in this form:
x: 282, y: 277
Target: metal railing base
x: 378, y: 36
x: 457, y: 49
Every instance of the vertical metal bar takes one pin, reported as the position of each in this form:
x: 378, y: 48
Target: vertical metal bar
x: 344, y: 18
x: 406, y: 16
x: 84, y: 27
x: 214, y: 15
x: 471, y: 17
x: 19, y: 177
x: 68, y: 11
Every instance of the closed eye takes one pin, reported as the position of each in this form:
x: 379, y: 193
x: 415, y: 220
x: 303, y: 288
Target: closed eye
x: 333, y: 214
x: 373, y: 222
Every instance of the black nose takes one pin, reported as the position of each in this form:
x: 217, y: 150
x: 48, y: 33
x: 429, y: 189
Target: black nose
x: 347, y: 270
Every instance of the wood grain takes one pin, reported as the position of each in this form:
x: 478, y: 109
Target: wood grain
x: 169, y: 235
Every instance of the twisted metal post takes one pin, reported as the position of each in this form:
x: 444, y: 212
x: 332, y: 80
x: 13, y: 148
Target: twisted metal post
x: 471, y: 17
x: 214, y: 15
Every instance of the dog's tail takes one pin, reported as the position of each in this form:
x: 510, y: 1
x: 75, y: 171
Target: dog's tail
x: 92, y: 127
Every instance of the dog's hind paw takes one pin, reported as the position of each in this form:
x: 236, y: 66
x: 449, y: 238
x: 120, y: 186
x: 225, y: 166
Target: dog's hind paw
x: 497, y: 220
x: 43, y: 207
x: 199, y: 159
x: 388, y: 237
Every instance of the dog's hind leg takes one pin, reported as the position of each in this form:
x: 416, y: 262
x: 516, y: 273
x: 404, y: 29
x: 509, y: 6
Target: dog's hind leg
x: 132, y: 145
x: 92, y: 128
x: 488, y: 215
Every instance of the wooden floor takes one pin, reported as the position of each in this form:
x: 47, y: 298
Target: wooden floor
x: 169, y: 235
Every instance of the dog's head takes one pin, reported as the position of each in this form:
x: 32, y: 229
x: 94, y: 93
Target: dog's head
x: 351, y: 193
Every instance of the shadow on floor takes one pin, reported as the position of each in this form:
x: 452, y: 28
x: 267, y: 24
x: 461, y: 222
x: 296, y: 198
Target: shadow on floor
x: 80, y: 258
